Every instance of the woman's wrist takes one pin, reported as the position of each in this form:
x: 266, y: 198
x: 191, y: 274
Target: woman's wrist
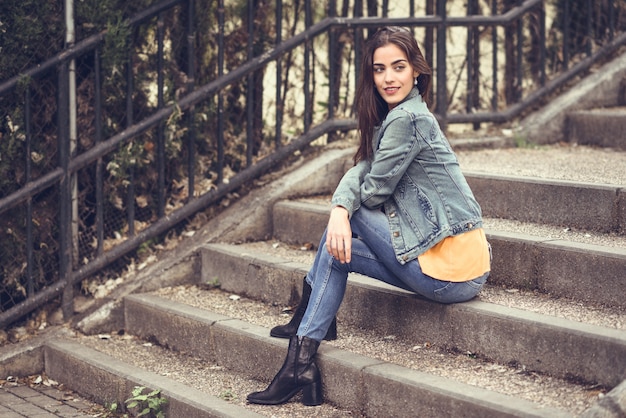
x: 340, y: 210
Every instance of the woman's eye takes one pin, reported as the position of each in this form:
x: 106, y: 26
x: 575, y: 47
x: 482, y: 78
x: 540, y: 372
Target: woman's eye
x: 400, y: 67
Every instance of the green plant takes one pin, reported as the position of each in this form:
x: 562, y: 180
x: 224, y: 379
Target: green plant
x: 111, y: 410
x: 523, y: 142
x: 149, y: 404
x: 212, y: 284
x: 228, y: 396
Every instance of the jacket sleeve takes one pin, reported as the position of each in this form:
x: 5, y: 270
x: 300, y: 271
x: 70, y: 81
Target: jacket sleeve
x: 348, y: 192
x: 397, y: 149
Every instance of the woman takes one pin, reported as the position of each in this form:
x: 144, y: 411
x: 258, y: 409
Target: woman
x: 404, y: 214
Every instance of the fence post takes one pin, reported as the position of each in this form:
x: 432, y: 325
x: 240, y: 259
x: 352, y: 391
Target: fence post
x: 65, y: 192
x: 473, y: 58
x: 191, y: 82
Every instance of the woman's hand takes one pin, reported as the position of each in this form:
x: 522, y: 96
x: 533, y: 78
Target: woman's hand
x: 339, y: 235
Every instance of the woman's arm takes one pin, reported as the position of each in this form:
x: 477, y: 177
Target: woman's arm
x: 339, y: 235
x: 399, y: 146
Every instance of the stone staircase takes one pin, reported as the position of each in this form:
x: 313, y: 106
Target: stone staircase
x: 554, y: 313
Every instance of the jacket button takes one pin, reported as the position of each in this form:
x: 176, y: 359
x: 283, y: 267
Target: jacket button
x: 392, y: 215
x: 469, y: 225
x: 396, y: 234
x: 405, y: 257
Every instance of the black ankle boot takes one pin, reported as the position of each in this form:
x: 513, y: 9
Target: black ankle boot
x: 299, y: 372
x: 290, y: 329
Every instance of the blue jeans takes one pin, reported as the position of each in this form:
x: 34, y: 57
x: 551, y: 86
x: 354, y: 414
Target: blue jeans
x: 373, y: 256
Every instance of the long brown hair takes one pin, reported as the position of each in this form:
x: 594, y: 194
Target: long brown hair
x: 370, y: 107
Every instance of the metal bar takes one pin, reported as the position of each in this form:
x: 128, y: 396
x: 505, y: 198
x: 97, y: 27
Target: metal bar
x: 99, y: 162
x: 442, y: 90
x: 611, y: 12
x: 429, y: 42
x: 308, y: 112
x: 65, y: 192
x: 565, y: 23
x: 191, y: 82
x: 160, y: 157
x: 472, y: 61
x: 30, y: 286
x: 494, y: 59
x: 332, y: 58
x: 469, y: 57
x: 220, y: 95
x: 520, y: 57
x: 279, y: 77
x: 542, y: 42
x: 130, y: 192
x: 358, y: 39
x: 588, y: 41
x: 250, y: 106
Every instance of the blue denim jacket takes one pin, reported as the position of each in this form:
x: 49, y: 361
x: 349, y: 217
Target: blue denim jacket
x: 415, y: 178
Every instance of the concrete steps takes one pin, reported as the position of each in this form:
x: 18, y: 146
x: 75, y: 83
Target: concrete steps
x: 369, y: 386
x: 560, y: 347
x: 603, y: 127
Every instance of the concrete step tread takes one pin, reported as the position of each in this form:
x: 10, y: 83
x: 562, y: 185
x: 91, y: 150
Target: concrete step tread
x: 321, y: 204
x: 596, y: 315
x: 557, y: 162
x: 417, y: 356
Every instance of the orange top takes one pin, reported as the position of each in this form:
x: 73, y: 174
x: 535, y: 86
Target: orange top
x: 458, y: 258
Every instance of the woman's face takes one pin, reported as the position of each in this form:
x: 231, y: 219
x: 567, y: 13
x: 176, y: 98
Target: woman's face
x: 393, y: 74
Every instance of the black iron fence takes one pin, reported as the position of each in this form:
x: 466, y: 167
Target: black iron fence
x: 124, y: 135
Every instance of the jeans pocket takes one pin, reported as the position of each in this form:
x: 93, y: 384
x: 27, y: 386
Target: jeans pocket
x: 454, y: 292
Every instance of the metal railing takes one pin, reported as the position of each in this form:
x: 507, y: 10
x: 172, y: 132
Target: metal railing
x: 119, y: 183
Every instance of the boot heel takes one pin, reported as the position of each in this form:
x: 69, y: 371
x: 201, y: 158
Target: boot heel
x: 312, y: 394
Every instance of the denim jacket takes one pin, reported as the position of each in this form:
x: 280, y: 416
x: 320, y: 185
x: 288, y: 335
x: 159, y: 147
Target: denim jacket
x: 415, y: 179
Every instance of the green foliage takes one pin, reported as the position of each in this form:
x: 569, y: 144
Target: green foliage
x: 30, y: 32
x: 116, y: 44
x: 213, y: 284
x: 148, y: 404
x: 522, y: 141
